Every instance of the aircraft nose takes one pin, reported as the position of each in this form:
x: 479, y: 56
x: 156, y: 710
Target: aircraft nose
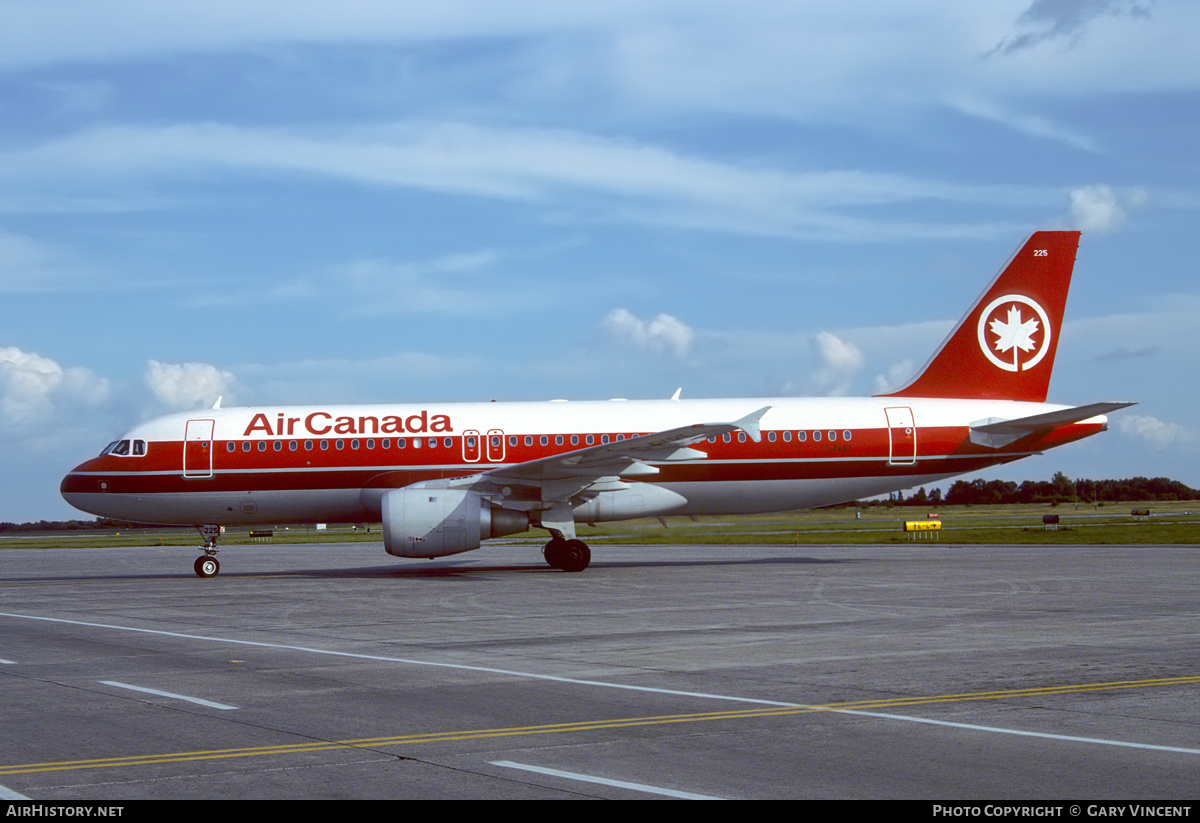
x: 68, y: 488
x: 78, y: 489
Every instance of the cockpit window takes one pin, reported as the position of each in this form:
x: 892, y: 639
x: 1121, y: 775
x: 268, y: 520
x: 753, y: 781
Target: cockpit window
x: 125, y: 448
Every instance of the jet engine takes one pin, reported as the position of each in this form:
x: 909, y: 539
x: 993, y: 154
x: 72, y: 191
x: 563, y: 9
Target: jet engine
x: 420, y: 522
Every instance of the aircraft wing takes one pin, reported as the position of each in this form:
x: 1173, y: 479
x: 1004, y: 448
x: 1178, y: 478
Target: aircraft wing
x: 996, y: 433
x: 558, y: 478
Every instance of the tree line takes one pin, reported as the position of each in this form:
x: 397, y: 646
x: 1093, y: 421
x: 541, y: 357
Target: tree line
x: 1059, y: 489
x: 101, y: 523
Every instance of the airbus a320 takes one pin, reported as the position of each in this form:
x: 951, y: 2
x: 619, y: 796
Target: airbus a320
x: 444, y: 477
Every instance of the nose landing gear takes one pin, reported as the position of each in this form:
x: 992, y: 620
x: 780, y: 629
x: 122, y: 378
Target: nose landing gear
x: 207, y: 565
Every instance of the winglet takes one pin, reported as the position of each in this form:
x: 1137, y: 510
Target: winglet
x: 750, y: 423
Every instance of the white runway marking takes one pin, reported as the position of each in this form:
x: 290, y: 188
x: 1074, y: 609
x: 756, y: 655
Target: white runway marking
x: 405, y: 660
x: 597, y: 683
x: 1047, y: 735
x: 171, y: 695
x: 620, y: 784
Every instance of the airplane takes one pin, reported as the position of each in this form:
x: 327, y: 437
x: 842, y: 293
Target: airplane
x: 444, y: 477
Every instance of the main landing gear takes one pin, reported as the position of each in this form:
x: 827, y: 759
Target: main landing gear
x: 569, y: 555
x: 207, y: 565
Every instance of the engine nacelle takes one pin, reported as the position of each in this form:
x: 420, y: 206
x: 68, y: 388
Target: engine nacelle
x: 436, y: 522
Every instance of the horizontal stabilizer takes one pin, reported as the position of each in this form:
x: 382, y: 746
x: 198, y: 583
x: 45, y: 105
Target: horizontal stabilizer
x: 996, y: 433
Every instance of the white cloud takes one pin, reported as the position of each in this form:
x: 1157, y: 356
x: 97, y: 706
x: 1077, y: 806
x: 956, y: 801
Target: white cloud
x: 182, y: 386
x: 34, y: 33
x: 786, y: 58
x: 663, y: 333
x: 1031, y: 125
x: 574, y: 172
x: 894, y: 377
x: 33, y: 387
x: 1159, y: 434
x: 840, y: 362
x: 452, y: 284
x: 1100, y: 208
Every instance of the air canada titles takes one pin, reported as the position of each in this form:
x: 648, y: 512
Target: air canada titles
x: 320, y: 423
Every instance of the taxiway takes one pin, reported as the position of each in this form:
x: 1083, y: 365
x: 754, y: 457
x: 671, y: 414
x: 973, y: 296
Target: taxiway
x: 909, y: 671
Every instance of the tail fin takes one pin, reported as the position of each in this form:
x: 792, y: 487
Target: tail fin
x: 1003, y: 348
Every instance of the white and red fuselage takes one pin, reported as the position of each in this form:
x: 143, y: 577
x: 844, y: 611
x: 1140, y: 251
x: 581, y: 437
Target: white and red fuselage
x: 246, y: 466
x: 442, y: 477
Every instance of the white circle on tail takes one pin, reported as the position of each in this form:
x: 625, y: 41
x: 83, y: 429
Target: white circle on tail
x: 1014, y: 332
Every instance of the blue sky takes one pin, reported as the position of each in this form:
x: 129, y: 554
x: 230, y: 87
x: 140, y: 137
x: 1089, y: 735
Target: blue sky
x: 375, y: 201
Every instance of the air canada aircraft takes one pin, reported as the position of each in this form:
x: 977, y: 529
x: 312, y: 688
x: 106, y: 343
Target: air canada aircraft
x: 443, y: 477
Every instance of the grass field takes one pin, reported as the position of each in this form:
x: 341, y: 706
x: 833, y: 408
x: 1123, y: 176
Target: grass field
x: 1169, y: 523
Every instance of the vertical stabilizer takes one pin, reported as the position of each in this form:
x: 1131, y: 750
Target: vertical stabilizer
x: 1003, y: 348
